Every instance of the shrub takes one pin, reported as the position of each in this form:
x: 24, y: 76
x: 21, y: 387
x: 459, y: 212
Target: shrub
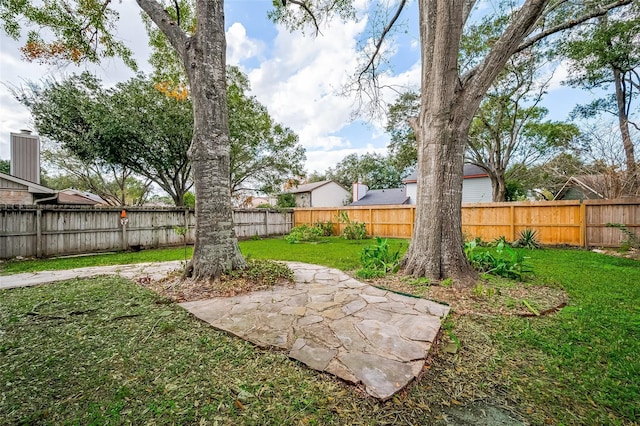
x: 326, y: 227
x: 379, y: 257
x: 303, y: 233
x: 506, y: 262
x: 286, y: 201
x: 528, y: 239
x: 353, y: 230
x: 500, y: 240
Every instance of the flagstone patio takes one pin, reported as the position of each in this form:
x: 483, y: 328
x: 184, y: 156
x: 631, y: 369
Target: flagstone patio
x: 335, y: 324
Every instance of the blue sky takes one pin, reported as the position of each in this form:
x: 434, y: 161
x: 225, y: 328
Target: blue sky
x: 294, y: 76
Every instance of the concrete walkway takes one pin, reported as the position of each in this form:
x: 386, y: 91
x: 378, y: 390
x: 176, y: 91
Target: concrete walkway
x: 328, y: 321
x: 155, y: 271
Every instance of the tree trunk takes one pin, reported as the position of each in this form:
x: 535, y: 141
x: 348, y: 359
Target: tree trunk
x: 216, y: 248
x: 436, y: 249
x: 627, y: 143
x: 447, y: 105
x: 498, y: 187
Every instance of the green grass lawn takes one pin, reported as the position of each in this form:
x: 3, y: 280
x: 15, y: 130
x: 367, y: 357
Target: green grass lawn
x: 106, y: 351
x: 335, y: 252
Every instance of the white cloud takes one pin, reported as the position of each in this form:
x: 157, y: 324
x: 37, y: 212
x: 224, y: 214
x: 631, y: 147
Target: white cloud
x: 299, y: 81
x: 557, y: 75
x: 320, y: 160
x: 239, y: 46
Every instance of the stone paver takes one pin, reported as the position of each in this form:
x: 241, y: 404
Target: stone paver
x: 328, y: 321
x: 336, y: 324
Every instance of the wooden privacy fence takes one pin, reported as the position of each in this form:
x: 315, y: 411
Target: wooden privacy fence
x: 64, y: 230
x: 574, y: 223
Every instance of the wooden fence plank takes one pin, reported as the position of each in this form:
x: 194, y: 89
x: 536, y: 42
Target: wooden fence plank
x: 61, y: 230
x: 574, y: 223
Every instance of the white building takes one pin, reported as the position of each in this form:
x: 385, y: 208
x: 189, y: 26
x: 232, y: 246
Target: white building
x: 476, y: 188
x: 326, y: 193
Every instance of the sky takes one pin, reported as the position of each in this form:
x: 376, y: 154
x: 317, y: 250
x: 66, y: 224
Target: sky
x: 296, y: 77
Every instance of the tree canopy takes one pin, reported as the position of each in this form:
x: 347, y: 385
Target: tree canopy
x: 137, y: 125
x: 5, y: 166
x: 374, y: 170
x: 606, y: 55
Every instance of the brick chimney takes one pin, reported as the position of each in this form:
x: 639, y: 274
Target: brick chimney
x: 25, y: 156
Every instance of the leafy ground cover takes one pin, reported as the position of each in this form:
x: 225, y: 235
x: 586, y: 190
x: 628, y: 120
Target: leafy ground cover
x: 105, y: 350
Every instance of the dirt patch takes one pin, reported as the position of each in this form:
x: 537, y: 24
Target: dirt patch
x: 632, y: 253
x: 480, y: 413
x: 495, y: 297
x: 179, y: 289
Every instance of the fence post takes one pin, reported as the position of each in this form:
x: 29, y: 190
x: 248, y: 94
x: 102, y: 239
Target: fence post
x: 413, y: 220
x: 583, y: 225
x: 266, y: 222
x: 39, y: 231
x: 512, y: 222
x: 123, y: 222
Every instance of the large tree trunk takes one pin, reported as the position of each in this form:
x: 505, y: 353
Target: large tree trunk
x: 436, y: 249
x: 448, y: 103
x: 216, y: 248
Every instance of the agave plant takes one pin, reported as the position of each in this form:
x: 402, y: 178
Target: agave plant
x: 528, y: 239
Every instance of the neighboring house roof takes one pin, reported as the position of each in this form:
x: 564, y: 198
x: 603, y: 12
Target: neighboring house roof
x: 308, y: 187
x: 32, y: 187
x: 470, y: 171
x: 73, y: 196
x: 376, y: 197
x: 590, y: 186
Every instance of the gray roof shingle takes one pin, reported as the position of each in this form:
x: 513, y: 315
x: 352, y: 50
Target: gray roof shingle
x: 376, y: 197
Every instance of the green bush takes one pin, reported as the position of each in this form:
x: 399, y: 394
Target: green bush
x: 500, y: 240
x: 303, y: 233
x: 379, y: 257
x: 326, y: 227
x: 504, y: 261
x: 528, y: 239
x: 353, y: 230
x: 286, y: 201
x: 378, y: 260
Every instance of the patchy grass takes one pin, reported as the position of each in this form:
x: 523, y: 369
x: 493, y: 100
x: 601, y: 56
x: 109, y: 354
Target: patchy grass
x: 105, y: 259
x: 107, y: 351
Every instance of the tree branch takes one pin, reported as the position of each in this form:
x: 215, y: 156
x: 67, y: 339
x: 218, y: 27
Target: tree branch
x: 572, y: 23
x: 467, y: 8
x: 385, y: 32
x: 308, y: 12
x: 479, y: 79
x: 165, y: 23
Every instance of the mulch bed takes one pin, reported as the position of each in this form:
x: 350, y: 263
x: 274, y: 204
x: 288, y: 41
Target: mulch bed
x: 487, y: 298
x: 179, y: 290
